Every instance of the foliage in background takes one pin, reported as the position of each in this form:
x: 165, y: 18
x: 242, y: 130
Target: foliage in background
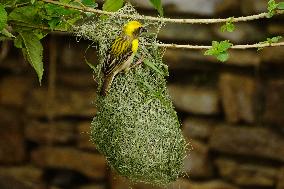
x: 39, y: 18
x: 18, y: 18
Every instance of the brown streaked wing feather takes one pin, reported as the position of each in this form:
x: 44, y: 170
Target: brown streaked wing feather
x: 114, y: 60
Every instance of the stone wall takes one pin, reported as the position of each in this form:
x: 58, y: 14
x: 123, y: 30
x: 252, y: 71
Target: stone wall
x: 232, y: 113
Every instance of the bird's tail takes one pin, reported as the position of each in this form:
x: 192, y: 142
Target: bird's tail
x: 107, y: 84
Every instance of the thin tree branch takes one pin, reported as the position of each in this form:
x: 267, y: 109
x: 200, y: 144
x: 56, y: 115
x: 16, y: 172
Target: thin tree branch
x: 176, y: 46
x: 167, y: 20
x: 248, y: 46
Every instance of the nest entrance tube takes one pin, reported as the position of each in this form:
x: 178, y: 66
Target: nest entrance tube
x: 136, y: 126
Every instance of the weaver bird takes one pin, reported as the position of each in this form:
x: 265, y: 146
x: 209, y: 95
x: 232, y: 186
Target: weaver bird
x: 121, y: 53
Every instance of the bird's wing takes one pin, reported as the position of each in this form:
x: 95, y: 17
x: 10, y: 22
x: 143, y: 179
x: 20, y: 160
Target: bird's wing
x: 117, y: 54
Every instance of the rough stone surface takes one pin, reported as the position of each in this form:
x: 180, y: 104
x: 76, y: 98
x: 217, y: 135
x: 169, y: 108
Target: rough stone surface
x: 197, y: 128
x: 213, y: 184
x: 197, y: 163
x: 93, y: 186
x: 245, y: 174
x: 71, y: 79
x: 49, y: 133
x: 12, y: 143
x: 121, y: 183
x: 274, y: 103
x: 195, y: 100
x: 200, y: 7
x: 84, y: 140
x: 275, y: 29
x: 27, y: 174
x: 177, y: 59
x: 250, y: 141
x: 250, y: 7
x: 195, y: 33
x: 280, y: 179
x: 13, y: 90
x: 91, y: 165
x: 274, y: 56
x: 66, y: 103
x: 238, y: 97
x: 7, y: 182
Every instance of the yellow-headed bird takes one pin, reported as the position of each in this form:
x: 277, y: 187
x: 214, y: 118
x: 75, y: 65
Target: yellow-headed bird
x: 121, y: 54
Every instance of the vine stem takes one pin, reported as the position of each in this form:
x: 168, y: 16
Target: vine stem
x: 167, y: 20
x: 248, y: 46
x: 176, y: 46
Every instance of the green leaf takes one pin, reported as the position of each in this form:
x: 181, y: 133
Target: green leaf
x: 224, y: 45
x: 272, y: 6
x: 53, y: 23
x: 6, y: 33
x: 27, y: 14
x: 280, y: 5
x: 223, y: 56
x: 274, y: 39
x: 3, y: 17
x: 33, y: 51
x: 219, y: 50
x: 18, y: 42
x: 158, y: 6
x: 153, y: 66
x: 112, y: 5
x: 89, y: 3
x: 229, y: 26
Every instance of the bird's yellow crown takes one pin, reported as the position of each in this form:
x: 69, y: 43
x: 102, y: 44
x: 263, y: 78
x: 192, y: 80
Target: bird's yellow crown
x: 131, y: 26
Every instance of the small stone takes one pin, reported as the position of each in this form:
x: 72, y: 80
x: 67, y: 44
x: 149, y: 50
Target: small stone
x: 250, y: 7
x: 197, y: 163
x: 14, y: 90
x: 27, y: 174
x: 7, y: 182
x: 66, y: 103
x: 84, y: 140
x: 213, y: 184
x: 91, y: 165
x: 280, y: 179
x: 12, y: 143
x: 199, y: 7
x: 239, y: 95
x: 186, y: 59
x: 274, y: 103
x: 195, y: 100
x: 197, y: 128
x: 250, y: 141
x: 196, y: 33
x: 50, y: 133
x: 245, y: 174
x: 70, y: 79
x: 93, y: 186
x: 227, y: 7
x: 276, y: 29
x: 274, y: 56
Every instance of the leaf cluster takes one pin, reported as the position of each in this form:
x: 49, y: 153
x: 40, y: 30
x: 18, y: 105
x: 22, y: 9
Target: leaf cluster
x: 26, y: 22
x: 273, y: 7
x: 228, y: 26
x: 270, y: 41
x: 219, y: 50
